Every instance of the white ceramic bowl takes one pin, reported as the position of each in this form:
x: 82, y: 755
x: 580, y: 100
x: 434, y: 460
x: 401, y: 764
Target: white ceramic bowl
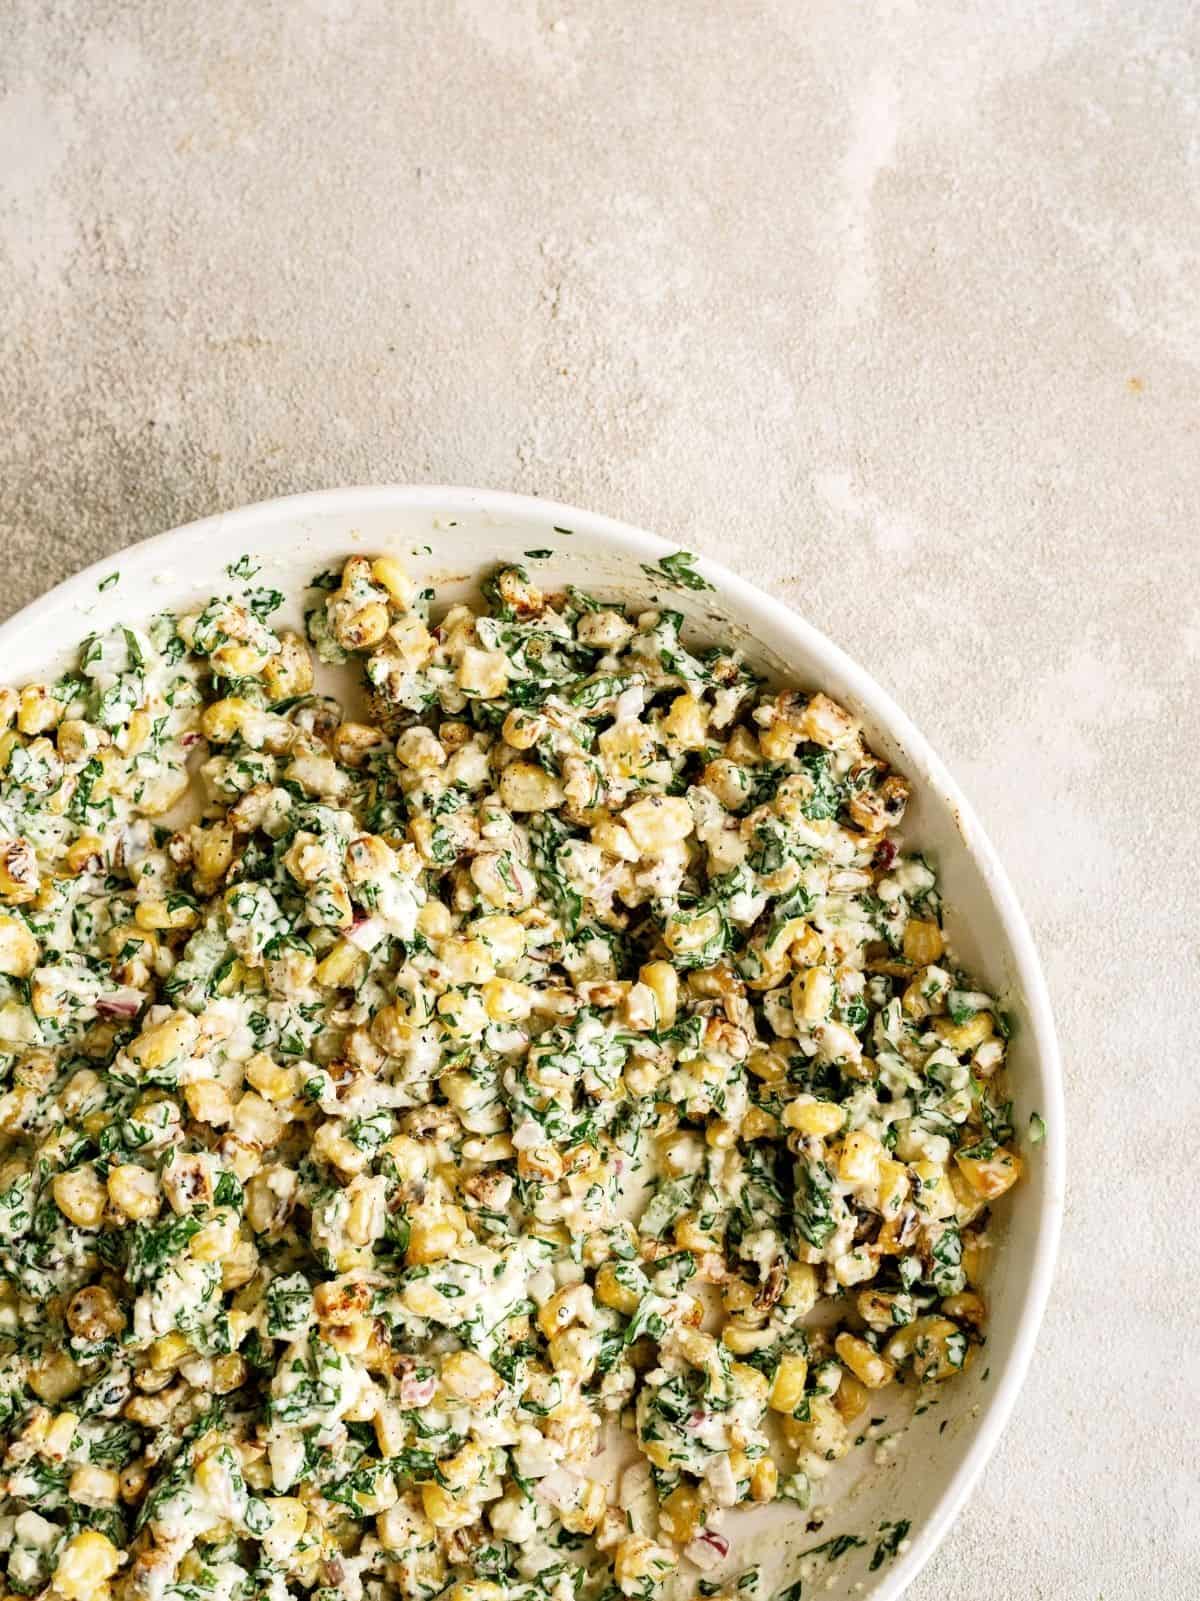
x: 447, y: 537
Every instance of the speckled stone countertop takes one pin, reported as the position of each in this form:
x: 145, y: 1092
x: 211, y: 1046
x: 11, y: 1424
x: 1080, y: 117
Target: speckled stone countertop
x: 895, y: 307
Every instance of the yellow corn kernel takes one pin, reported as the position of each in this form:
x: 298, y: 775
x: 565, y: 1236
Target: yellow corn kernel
x: 446, y: 1511
x: 158, y: 914
x: 787, y: 1387
x: 932, y: 1192
x: 94, y: 1486
x: 611, y: 1292
x: 522, y: 729
x: 341, y: 966
x: 228, y: 1373
x: 656, y: 821
x: 851, y: 1397
x: 289, y: 1519
x: 85, y: 1565
x: 19, y: 949
x: 168, y: 1351
x: 893, y: 1186
x: 467, y: 961
x: 680, y: 1517
x: 388, y: 574
x: 54, y: 1377
x: 134, y: 1191
x: 989, y: 1169
x: 482, y: 674
x: 859, y: 1157
x: 742, y: 1337
x: 661, y: 979
x: 160, y: 1044
x: 208, y: 1102
x: 213, y: 852
x: 864, y: 1361
x: 814, y: 1117
x: 467, y: 1377
x: 527, y: 788
x: 38, y: 711
x: 434, y: 920
x: 639, y: 1563
x: 83, y: 854
x: 567, y: 1307
x: 224, y: 720
x: 768, y: 1065
x: 938, y: 1348
x: 507, y: 1001
x: 59, y: 1436
x: 923, y: 941
x: 966, y: 1307
x: 962, y: 1037
x: 431, y: 1238
x: 215, y: 1239
x: 290, y: 672
x: 686, y: 723
x: 812, y: 994
x: 477, y: 1590
x: 81, y: 1196
x: 271, y: 1081
x: 764, y: 1480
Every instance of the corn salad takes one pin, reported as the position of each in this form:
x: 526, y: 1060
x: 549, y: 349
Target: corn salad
x: 395, y: 1111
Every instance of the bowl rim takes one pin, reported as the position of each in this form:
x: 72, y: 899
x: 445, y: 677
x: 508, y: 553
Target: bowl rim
x: 146, y: 554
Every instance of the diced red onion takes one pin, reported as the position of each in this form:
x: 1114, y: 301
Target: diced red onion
x: 707, y: 1549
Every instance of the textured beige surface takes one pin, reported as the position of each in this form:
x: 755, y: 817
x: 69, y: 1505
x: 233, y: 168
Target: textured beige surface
x: 896, y: 308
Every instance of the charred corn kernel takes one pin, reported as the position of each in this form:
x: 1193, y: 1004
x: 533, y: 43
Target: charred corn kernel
x: 134, y: 1191
x: 84, y: 854
x: 526, y: 788
x: 81, y: 1196
x: 923, y: 942
x: 814, y: 1117
x: 859, y: 1157
x: 467, y: 1377
x: 937, y: 1347
x: 851, y: 1397
x: 168, y: 1351
x: 522, y: 729
x: 290, y: 672
x: 19, y: 949
x: 764, y: 1480
x: 864, y: 1361
x: 801, y: 1290
x: 787, y: 1387
x: 656, y: 821
x: 812, y: 994
x: 19, y: 876
x: 85, y: 1565
x: 962, y: 1037
x: 585, y: 1515
x: 390, y: 575
x: 507, y: 1001
x: 743, y: 1337
x: 989, y: 1169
